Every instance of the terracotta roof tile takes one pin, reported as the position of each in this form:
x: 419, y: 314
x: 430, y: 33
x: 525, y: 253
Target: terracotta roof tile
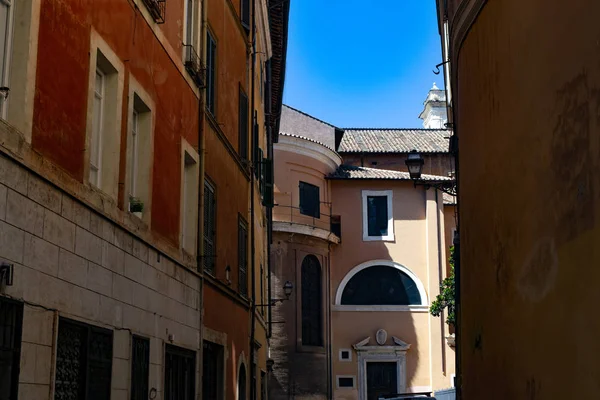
x: 354, y: 172
x: 395, y: 140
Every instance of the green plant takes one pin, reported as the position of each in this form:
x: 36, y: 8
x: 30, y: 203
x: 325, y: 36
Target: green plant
x: 447, y: 295
x: 135, y: 205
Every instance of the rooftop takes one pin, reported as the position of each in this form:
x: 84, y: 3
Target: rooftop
x: 366, y: 140
x: 354, y: 172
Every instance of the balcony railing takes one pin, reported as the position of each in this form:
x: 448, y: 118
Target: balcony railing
x: 326, y: 223
x: 157, y: 9
x: 194, y: 66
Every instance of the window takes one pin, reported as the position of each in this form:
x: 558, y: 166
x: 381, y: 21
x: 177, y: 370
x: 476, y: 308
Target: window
x: 210, y: 227
x: 140, y: 367
x: 96, y: 139
x: 139, y: 156
x: 190, y: 11
x: 212, y: 367
x: 83, y: 361
x: 180, y: 373
x: 262, y: 289
x: 345, y: 382
x: 243, y: 257
x: 243, y: 125
x: 377, y: 215
x: 345, y: 355
x: 189, y: 199
x: 245, y: 14
x: 211, y: 62
x: 104, y: 123
x: 242, y: 383
x: 263, y: 385
x: 11, y: 323
x: 6, y: 30
x: 311, y: 302
x: 309, y: 200
x: 381, y: 285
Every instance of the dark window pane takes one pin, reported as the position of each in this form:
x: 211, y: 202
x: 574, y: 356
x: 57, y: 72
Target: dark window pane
x: 243, y: 125
x: 210, y: 228
x: 242, y: 383
x: 212, y: 371
x: 311, y: 302
x: 211, y: 60
x: 381, y: 285
x: 345, y: 355
x: 99, y: 364
x: 243, y: 258
x: 309, y: 200
x: 140, y: 365
x: 377, y: 215
x: 11, y: 322
x: 180, y: 373
x: 245, y: 10
x: 345, y: 382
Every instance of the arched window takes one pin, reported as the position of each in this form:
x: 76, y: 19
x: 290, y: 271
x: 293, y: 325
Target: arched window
x: 381, y: 285
x: 242, y: 383
x: 311, y: 302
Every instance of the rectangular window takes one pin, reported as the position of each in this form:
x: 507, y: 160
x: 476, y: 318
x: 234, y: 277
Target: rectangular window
x: 83, y: 361
x: 180, y: 373
x: 97, y: 122
x: 245, y: 11
x: 243, y: 125
x: 11, y: 323
x: 243, y: 257
x: 140, y: 367
x: 210, y: 227
x: 189, y: 201
x: 345, y: 355
x: 139, y: 160
x: 309, y: 200
x: 211, y: 70
x: 377, y: 215
x: 190, y: 10
x: 212, y: 367
x: 345, y: 382
x: 6, y: 29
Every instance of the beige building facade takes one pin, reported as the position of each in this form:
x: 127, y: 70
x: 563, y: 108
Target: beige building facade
x: 367, y: 252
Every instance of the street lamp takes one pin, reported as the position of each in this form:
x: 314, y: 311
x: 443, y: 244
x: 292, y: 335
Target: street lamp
x: 288, y: 288
x: 415, y: 163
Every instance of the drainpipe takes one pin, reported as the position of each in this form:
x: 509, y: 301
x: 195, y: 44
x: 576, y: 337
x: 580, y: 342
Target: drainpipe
x: 201, y: 156
x: 252, y: 233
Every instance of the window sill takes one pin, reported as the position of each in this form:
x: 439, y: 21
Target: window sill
x: 379, y: 238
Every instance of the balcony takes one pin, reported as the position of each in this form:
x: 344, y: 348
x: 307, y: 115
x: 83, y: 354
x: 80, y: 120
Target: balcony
x: 157, y: 9
x: 287, y: 218
x: 194, y: 66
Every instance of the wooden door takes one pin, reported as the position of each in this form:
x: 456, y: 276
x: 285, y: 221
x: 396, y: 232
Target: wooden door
x: 382, y: 379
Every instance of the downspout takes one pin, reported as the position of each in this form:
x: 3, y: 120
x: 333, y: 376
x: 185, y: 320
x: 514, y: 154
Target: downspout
x: 252, y: 225
x: 201, y: 174
x: 441, y: 262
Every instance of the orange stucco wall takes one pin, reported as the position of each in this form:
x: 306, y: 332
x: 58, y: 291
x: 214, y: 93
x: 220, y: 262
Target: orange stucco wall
x: 527, y: 105
x: 59, y: 125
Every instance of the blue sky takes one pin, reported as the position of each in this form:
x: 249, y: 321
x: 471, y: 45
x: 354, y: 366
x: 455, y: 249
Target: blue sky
x: 362, y: 63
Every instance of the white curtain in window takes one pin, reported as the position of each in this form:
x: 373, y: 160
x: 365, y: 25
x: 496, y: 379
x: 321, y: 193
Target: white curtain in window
x: 6, y: 12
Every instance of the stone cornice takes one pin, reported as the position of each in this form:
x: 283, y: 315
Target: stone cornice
x: 310, y: 149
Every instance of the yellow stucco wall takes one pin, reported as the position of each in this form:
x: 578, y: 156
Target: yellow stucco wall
x: 528, y: 107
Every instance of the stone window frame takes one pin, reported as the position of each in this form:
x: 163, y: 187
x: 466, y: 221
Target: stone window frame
x: 112, y: 116
x: 337, y: 382
x: 190, y: 168
x: 390, y: 209
x: 342, y: 359
x: 140, y: 99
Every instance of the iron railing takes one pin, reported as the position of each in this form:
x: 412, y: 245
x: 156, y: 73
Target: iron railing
x: 291, y: 214
x: 193, y: 64
x: 158, y: 9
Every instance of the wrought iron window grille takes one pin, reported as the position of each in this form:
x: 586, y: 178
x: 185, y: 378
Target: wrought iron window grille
x: 157, y: 9
x: 193, y: 64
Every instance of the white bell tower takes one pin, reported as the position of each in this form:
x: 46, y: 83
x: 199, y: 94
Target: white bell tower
x: 434, y: 114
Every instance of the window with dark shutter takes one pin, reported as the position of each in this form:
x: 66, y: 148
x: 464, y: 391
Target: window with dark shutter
x: 377, y: 215
x: 11, y: 323
x: 311, y: 302
x: 261, y: 173
x: 211, y: 64
x: 309, y: 200
x: 268, y: 197
x: 242, y: 383
x: 180, y: 373
x: 83, y: 351
x: 245, y: 11
x: 212, y: 368
x: 256, y: 151
x: 210, y: 228
x: 243, y: 257
x: 140, y: 367
x: 243, y: 125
